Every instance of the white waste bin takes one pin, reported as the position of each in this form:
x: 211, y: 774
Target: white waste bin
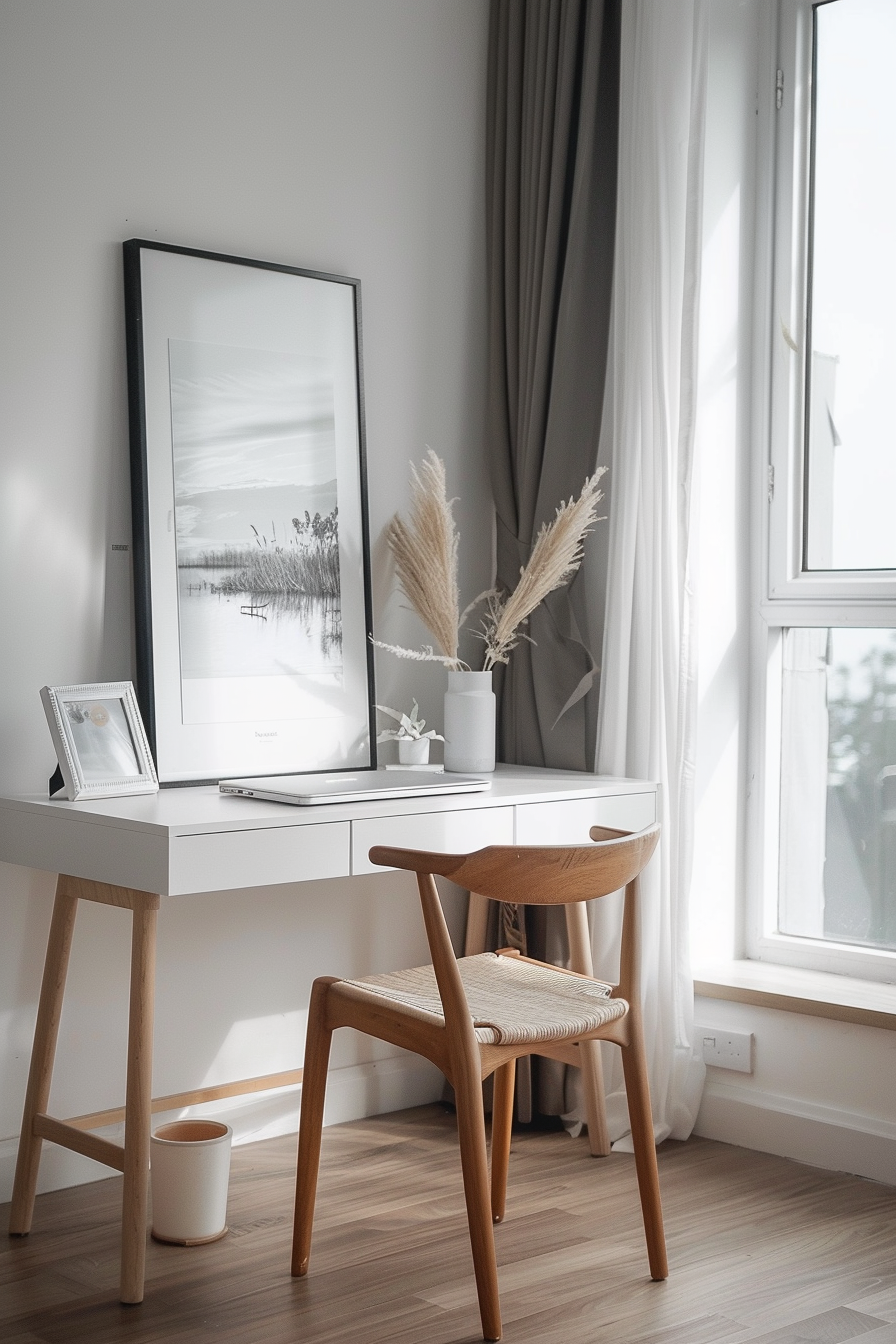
x: 189, y: 1173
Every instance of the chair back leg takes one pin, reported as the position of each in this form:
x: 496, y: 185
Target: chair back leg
x: 314, y: 1088
x: 595, y: 1099
x: 502, y: 1127
x: 580, y: 960
x: 637, y: 1090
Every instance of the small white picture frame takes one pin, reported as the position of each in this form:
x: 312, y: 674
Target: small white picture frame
x: 100, y: 740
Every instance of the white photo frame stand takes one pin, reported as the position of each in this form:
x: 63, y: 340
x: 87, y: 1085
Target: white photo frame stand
x: 100, y: 741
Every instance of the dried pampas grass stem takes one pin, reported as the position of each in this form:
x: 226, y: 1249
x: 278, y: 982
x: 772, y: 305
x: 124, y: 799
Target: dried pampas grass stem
x: 555, y: 557
x: 425, y: 551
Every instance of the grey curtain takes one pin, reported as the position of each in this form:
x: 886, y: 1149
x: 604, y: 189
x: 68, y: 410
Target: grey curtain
x: 553, y: 99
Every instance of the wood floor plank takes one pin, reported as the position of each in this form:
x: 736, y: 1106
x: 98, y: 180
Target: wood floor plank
x: 762, y: 1251
x: 881, y: 1299
x: 828, y: 1327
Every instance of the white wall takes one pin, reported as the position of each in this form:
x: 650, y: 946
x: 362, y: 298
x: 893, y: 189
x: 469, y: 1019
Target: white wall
x: 821, y: 1091
x: 341, y: 135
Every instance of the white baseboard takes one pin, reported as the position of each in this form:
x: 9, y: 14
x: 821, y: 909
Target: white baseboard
x: 823, y: 1136
x: 352, y: 1093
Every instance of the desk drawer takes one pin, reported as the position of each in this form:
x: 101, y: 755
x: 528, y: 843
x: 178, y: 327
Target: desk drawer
x: 259, y: 858
x: 444, y: 832
x: 568, y: 823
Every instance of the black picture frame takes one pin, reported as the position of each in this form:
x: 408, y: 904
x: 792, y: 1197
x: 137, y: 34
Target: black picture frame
x: 249, y: 499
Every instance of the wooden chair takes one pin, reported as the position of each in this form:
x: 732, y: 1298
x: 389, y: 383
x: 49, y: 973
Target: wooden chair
x: 475, y: 1016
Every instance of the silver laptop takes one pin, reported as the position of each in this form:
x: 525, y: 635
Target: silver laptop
x: 353, y: 786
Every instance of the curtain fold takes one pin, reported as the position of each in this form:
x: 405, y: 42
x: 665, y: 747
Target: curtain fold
x: 646, y: 725
x: 552, y: 143
x: 551, y: 209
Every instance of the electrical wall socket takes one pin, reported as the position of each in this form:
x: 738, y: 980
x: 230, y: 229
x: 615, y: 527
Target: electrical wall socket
x: 728, y: 1049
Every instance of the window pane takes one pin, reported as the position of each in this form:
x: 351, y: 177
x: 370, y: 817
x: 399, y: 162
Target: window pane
x: 851, y: 438
x: 838, y: 786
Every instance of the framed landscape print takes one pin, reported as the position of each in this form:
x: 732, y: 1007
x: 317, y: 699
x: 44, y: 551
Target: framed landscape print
x: 251, y: 568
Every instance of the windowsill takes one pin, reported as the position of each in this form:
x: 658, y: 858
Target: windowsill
x: 794, y: 990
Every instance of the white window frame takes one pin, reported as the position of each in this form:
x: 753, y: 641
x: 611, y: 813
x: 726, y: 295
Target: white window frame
x: 787, y: 595
x: 868, y: 593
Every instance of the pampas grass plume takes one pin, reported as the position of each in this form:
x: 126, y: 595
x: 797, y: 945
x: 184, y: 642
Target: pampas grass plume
x: 555, y: 557
x: 425, y: 551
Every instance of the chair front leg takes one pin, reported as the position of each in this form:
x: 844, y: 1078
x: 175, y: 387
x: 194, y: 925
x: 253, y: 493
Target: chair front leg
x: 474, y: 1163
x: 502, y: 1127
x: 314, y: 1089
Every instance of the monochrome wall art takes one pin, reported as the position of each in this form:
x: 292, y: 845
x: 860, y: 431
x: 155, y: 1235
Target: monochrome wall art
x: 99, y: 738
x: 251, y: 562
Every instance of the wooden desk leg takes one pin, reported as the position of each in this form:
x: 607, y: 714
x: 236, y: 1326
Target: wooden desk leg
x: 138, y: 1101
x: 592, y: 1071
x: 43, y: 1054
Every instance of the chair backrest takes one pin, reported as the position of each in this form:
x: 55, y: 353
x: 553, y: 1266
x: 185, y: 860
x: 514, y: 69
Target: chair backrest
x: 536, y: 874
x: 529, y: 875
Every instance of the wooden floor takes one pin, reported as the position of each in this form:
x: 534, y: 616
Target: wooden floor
x: 761, y: 1249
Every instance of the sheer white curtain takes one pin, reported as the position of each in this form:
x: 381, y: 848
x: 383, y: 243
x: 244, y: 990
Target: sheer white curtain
x: 647, y: 712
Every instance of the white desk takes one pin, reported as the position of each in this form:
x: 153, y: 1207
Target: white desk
x: 130, y: 852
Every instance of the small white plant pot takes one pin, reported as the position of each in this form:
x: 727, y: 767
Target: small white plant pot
x: 189, y: 1174
x: 413, y: 750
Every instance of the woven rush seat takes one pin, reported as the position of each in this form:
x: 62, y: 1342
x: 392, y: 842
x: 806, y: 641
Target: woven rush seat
x: 511, y: 1001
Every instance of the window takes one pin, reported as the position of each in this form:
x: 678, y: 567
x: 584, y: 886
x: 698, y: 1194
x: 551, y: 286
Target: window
x: 838, y: 786
x: 829, y: 590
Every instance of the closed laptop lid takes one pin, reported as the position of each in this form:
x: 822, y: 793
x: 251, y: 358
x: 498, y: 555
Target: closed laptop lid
x: 352, y: 786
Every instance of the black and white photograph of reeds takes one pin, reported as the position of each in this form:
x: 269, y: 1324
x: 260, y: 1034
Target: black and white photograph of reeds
x: 256, y: 513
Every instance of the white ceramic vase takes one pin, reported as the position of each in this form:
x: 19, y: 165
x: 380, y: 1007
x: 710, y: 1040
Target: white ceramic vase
x: 470, y: 723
